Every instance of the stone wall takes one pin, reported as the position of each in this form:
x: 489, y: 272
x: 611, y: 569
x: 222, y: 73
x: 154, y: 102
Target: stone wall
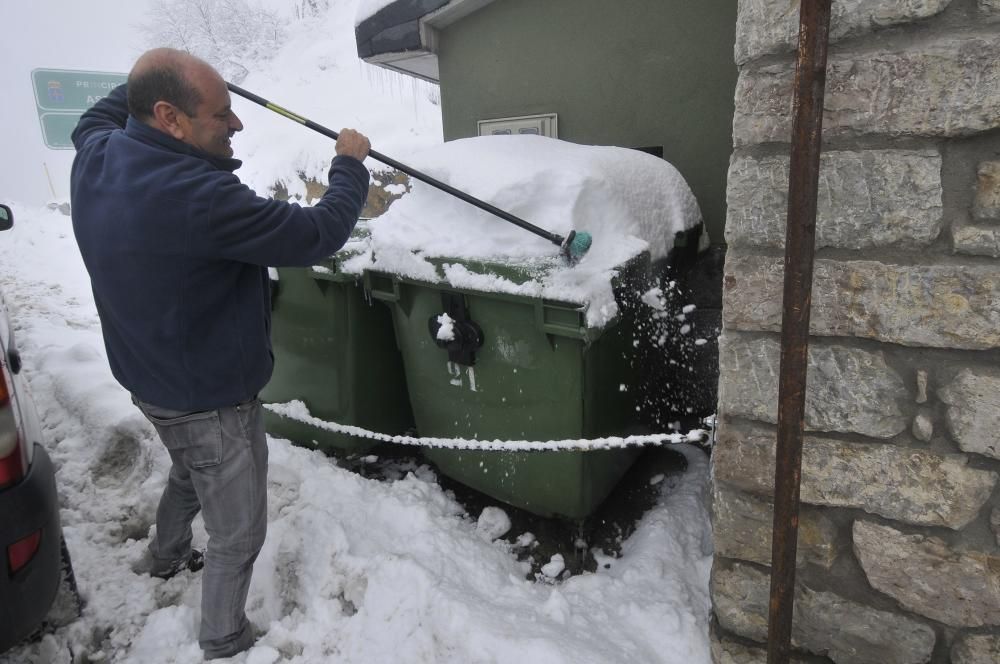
x: 899, y: 533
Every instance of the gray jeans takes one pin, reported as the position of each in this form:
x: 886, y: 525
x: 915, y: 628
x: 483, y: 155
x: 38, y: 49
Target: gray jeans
x: 220, y: 468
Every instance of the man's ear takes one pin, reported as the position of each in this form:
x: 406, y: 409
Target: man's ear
x: 169, y: 119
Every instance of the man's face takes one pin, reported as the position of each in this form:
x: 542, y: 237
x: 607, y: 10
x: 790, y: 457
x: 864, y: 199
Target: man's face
x: 214, y: 123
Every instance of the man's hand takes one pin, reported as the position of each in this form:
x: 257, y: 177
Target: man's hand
x: 353, y: 144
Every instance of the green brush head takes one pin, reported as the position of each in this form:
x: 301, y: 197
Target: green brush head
x: 575, y: 246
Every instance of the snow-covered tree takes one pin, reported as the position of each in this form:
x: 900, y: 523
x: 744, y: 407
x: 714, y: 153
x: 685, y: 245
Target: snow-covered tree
x: 307, y: 8
x: 231, y: 35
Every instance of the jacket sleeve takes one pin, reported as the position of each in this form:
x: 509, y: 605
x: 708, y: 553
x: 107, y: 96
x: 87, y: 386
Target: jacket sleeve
x: 245, y: 227
x: 105, y: 116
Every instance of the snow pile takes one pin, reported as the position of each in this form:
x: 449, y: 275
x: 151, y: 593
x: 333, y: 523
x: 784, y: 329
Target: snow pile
x: 629, y: 201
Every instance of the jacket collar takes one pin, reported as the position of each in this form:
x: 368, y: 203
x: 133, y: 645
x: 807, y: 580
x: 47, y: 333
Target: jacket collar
x: 142, y: 132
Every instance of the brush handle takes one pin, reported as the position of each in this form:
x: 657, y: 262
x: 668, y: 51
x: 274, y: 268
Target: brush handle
x: 389, y: 161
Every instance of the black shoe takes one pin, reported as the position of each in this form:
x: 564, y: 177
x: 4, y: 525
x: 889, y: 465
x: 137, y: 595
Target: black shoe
x: 193, y: 563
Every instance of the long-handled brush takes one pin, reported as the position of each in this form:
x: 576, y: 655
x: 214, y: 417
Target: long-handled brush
x: 572, y: 247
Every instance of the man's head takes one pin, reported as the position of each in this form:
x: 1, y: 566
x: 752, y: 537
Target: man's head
x: 185, y: 97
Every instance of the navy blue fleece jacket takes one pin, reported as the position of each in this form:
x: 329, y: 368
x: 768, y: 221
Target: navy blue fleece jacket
x: 177, y: 249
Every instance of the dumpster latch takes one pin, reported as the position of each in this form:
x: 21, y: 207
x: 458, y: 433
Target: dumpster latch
x: 455, y: 331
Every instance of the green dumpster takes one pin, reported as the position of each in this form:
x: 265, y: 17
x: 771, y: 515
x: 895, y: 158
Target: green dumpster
x: 517, y: 368
x: 334, y: 350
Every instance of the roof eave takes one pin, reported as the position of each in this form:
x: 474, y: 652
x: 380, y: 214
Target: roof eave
x: 410, y: 46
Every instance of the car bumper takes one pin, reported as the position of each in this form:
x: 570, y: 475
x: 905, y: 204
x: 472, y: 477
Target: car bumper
x: 27, y: 507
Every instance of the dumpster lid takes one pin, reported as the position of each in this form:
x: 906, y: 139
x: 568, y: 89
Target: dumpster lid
x: 630, y: 201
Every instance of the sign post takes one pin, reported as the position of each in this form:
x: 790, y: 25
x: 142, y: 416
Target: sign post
x: 61, y: 97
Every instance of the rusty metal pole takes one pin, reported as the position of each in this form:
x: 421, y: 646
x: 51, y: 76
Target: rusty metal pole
x: 800, y: 241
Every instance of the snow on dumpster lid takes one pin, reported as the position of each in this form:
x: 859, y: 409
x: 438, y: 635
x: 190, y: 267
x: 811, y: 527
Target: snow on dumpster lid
x: 628, y: 200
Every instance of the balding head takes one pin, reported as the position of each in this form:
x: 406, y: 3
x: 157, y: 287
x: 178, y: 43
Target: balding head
x: 164, y: 74
x: 184, y: 97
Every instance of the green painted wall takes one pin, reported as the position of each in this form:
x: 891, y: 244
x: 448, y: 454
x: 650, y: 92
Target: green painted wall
x: 632, y: 73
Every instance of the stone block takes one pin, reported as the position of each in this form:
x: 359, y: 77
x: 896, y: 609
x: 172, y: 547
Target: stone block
x: 976, y: 649
x: 957, y: 587
x: 923, y: 427
x: 987, y: 201
x: 907, y: 485
x: 823, y: 623
x: 973, y: 415
x: 976, y: 240
x: 942, y: 306
x: 742, y: 524
x: 847, y: 389
x: 943, y: 86
x: 729, y: 651
x: 866, y: 199
x: 772, y: 26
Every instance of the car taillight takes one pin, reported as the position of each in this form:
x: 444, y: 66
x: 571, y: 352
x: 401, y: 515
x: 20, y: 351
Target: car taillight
x: 12, y: 459
x: 23, y: 550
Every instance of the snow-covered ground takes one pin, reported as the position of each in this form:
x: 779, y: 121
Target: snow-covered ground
x: 354, y: 570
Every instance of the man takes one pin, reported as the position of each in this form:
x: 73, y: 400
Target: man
x: 176, y: 248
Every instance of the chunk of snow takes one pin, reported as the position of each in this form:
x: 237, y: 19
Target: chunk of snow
x: 654, y: 298
x: 524, y: 540
x: 493, y: 523
x: 447, y: 330
x: 555, y: 566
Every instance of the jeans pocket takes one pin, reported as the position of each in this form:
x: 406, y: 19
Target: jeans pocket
x: 249, y: 416
x: 198, y: 434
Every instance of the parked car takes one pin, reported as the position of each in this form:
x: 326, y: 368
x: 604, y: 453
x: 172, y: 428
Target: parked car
x: 37, y: 585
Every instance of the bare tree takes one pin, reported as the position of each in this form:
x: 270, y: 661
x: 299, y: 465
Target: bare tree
x: 231, y: 35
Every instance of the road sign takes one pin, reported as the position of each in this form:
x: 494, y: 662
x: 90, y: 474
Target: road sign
x: 62, y: 95
x: 57, y: 128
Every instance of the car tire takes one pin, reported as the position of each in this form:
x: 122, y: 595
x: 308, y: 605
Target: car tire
x: 68, y: 604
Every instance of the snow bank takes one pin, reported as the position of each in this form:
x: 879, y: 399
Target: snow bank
x: 629, y: 201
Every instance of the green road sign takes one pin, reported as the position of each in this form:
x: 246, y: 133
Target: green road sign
x: 62, y: 95
x: 57, y: 128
